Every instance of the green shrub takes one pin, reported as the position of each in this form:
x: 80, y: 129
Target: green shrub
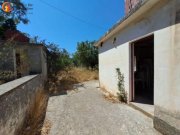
x: 122, y: 95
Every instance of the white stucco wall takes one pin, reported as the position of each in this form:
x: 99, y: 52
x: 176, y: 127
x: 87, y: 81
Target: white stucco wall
x: 167, y: 74
x: 162, y: 63
x: 109, y: 61
x: 117, y: 55
x: 162, y: 20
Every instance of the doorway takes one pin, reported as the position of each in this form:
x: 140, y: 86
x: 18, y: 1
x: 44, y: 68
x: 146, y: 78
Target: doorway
x: 142, y: 68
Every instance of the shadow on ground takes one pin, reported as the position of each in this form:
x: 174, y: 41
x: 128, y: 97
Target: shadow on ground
x: 58, y: 86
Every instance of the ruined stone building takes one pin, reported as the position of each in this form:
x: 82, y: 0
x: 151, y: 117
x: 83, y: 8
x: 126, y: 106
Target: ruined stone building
x: 20, y: 59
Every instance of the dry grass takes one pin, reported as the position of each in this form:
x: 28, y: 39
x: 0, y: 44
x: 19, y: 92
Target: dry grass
x: 82, y: 74
x: 110, y: 97
x: 35, y: 115
x: 46, y: 127
x: 65, y: 80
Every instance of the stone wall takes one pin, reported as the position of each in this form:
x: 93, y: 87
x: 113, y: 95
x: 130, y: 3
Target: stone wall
x: 16, y: 98
x: 36, y: 57
x: 7, y: 65
x: 7, y: 58
x: 32, y: 59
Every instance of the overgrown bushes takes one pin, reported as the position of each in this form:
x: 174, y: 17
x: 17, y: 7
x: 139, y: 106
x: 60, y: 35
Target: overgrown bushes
x: 60, y: 59
x: 57, y: 59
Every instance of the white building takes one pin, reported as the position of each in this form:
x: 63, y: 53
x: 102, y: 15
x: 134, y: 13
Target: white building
x: 145, y: 45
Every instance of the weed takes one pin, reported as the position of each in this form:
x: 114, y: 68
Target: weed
x: 122, y: 95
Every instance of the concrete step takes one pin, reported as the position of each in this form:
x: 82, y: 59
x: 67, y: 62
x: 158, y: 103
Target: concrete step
x: 146, y: 109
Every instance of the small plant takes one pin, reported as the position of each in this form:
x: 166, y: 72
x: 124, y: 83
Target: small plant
x: 122, y: 95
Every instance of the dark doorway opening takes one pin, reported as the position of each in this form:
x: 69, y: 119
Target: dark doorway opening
x: 143, y: 70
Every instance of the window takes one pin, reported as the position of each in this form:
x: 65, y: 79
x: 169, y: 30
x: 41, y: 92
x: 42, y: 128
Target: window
x: 101, y: 44
x: 114, y: 40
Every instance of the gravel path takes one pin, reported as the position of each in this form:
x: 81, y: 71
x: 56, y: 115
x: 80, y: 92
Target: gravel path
x: 86, y: 112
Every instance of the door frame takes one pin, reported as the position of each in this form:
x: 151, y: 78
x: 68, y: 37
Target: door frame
x: 132, y: 92
x: 131, y: 67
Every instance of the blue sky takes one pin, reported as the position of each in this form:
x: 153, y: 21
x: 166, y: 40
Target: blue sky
x: 95, y: 17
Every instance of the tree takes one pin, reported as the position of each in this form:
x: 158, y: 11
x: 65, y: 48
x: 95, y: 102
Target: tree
x: 18, y: 14
x: 86, y: 55
x: 9, y: 25
x: 10, y: 20
x: 64, y: 59
x: 58, y: 59
x: 76, y: 60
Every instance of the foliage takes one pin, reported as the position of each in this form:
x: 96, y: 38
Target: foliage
x: 64, y: 59
x: 9, y: 24
x: 86, y: 55
x: 18, y: 14
x: 75, y: 60
x: 10, y: 20
x: 58, y: 59
x: 122, y: 93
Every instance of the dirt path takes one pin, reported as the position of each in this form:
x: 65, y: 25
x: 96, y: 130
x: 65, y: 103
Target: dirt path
x: 86, y: 112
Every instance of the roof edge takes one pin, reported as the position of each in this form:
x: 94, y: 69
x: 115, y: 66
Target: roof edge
x: 141, y: 7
